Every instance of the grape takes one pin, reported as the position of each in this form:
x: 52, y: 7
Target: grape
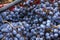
x: 41, y: 30
x: 43, y: 22
x: 10, y: 39
x: 41, y: 38
x: 10, y: 29
x: 42, y: 26
x: 4, y: 30
x: 21, y: 38
x: 48, y: 25
x: 1, y: 36
x: 41, y: 34
x: 14, y: 32
x: 32, y: 30
x: 31, y: 22
x: 55, y: 4
x: 47, y: 34
x: 6, y: 38
x: 47, y: 4
x: 19, y: 29
x: 55, y: 35
x: 59, y: 32
x: 18, y: 35
x: 42, y: 0
x: 48, y: 37
x: 51, y: 35
x: 8, y: 35
x: 56, y: 30
x: 40, y: 19
x: 15, y: 38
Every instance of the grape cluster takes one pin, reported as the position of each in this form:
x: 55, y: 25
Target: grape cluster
x: 36, y: 22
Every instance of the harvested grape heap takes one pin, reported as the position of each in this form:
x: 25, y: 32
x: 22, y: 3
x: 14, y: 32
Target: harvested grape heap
x: 32, y: 22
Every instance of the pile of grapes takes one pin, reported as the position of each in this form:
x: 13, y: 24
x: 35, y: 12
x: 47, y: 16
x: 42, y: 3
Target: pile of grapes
x: 36, y: 22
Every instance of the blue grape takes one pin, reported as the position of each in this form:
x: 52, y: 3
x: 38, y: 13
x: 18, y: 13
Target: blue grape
x: 18, y: 35
x: 15, y: 38
x: 30, y: 21
x: 14, y: 32
x: 1, y: 36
